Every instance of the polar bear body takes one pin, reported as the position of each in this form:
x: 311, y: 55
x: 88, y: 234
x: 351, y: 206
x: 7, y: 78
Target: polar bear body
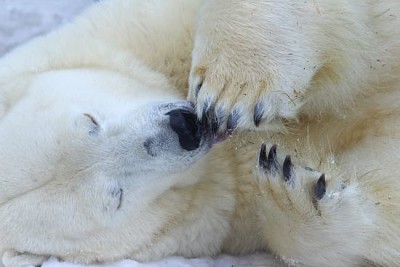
x: 91, y: 170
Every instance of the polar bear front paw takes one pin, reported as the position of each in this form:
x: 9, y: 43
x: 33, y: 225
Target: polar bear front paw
x: 289, y: 186
x: 229, y: 93
x: 248, y: 73
x: 228, y: 101
x: 303, y: 214
x: 12, y: 258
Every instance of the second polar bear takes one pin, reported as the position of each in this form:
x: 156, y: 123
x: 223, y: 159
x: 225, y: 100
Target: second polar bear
x: 101, y: 159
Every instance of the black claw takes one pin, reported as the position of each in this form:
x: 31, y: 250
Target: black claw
x: 198, y: 87
x: 217, y: 119
x: 262, y: 159
x: 232, y: 122
x: 214, y: 124
x: 205, y: 114
x: 212, y: 120
x: 287, y: 168
x: 271, y: 166
x: 258, y: 113
x: 320, y: 187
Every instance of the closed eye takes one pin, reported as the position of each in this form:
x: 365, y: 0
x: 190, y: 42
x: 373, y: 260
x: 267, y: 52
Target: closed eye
x: 92, y: 119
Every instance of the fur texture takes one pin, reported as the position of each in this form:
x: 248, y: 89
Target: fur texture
x: 91, y: 171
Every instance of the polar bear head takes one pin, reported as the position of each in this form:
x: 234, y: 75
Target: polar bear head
x: 95, y: 139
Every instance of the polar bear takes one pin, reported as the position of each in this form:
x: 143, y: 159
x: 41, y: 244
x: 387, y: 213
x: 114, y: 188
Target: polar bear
x: 101, y: 159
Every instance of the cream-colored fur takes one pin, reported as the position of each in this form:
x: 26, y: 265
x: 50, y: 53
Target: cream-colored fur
x: 81, y: 108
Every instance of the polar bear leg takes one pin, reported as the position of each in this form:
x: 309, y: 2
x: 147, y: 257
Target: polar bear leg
x: 241, y: 73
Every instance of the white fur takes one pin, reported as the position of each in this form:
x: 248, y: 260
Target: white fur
x: 78, y: 105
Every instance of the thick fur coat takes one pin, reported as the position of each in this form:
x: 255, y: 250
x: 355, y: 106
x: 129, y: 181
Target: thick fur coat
x: 101, y: 159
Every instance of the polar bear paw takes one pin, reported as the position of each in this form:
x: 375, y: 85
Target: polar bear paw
x: 289, y: 186
x: 226, y: 101
x: 240, y: 77
x: 230, y: 98
x: 12, y: 258
x: 301, y: 211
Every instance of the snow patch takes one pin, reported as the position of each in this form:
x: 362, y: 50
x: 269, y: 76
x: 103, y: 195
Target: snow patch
x: 20, y: 20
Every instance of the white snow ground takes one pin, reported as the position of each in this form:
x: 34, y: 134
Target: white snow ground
x: 20, y: 20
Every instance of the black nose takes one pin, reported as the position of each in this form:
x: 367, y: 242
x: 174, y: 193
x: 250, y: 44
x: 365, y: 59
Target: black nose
x: 186, y: 125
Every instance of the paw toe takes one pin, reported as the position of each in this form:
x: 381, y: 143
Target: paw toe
x: 198, y: 88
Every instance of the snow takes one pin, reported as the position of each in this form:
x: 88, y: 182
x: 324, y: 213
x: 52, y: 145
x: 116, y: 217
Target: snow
x: 20, y: 20
x: 255, y: 260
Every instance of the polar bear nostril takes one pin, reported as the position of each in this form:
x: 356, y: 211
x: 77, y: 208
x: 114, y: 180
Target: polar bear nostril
x: 186, y: 125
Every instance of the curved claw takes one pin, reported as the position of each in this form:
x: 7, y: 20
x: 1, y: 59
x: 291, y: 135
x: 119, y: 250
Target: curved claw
x: 272, y: 164
x: 262, y: 158
x: 269, y: 162
x: 258, y: 113
x: 232, y: 122
x: 215, y: 124
x: 320, y: 187
x: 197, y: 90
x: 287, y: 168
